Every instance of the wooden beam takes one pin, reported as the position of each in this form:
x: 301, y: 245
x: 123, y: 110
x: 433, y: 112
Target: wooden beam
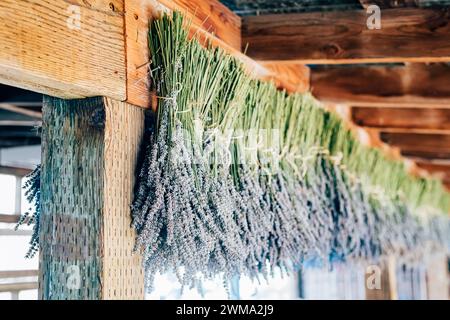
x: 66, y: 49
x: 106, y: 53
x: 406, y: 34
x: 419, y: 85
x: 9, y: 218
x: 15, y: 171
x: 23, y: 111
x: 19, y: 141
x: 386, y: 4
x: 437, y: 269
x: 439, y: 168
x: 89, y: 157
x: 18, y: 132
x: 209, y: 19
x: 429, y: 146
x: 407, y: 120
x: 380, y: 280
x: 294, y: 77
x: 19, y: 123
x: 20, y: 286
x: 18, y: 274
x: 15, y: 233
x: 212, y: 23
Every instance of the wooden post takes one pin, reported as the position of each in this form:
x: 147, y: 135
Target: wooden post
x: 385, y: 272
x: 438, y: 276
x: 89, y: 155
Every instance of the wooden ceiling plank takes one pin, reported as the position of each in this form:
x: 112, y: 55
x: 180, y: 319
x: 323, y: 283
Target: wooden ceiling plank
x: 212, y: 23
x: 386, y: 4
x: 428, y: 146
x: 406, y: 34
x: 407, y: 120
x: 413, y: 85
x: 295, y: 77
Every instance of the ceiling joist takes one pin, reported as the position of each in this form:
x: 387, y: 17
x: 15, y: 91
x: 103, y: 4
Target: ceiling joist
x: 407, y: 120
x: 426, y: 146
x: 421, y: 85
x: 385, y: 4
x: 20, y: 110
x: 406, y: 34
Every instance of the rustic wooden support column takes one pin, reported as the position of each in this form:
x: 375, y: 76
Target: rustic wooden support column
x: 386, y: 271
x: 438, y: 276
x: 89, y: 154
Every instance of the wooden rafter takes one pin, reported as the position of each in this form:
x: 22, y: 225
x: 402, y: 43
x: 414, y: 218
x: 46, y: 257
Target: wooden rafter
x: 19, y: 110
x: 385, y: 4
x: 9, y: 218
x: 427, y: 146
x: 19, y: 123
x: 15, y: 171
x: 415, y: 84
x: 211, y: 23
x: 442, y: 168
x: 63, y: 49
x: 406, y: 34
x: 413, y: 120
x: 295, y: 77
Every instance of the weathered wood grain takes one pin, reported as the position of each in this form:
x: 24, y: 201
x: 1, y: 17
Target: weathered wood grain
x: 42, y: 48
x: 89, y: 152
x: 386, y: 4
x: 416, y: 84
x: 210, y: 20
x: 294, y: 77
x: 428, y: 146
x: 406, y: 34
x: 425, y: 120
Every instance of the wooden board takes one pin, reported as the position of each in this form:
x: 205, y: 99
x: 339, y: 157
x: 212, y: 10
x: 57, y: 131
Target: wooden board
x: 89, y: 154
x: 42, y: 49
x: 421, y: 85
x: 211, y: 17
x: 439, y: 168
x: 15, y: 171
x: 9, y: 218
x: 406, y: 34
x: 294, y: 77
x: 106, y: 53
x: 385, y: 4
x: 426, y: 120
x: 429, y: 146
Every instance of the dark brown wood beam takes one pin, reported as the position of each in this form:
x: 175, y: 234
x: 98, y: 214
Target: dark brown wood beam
x: 428, y: 146
x: 386, y: 4
x: 417, y: 84
x: 441, y: 168
x: 406, y: 34
x: 412, y: 120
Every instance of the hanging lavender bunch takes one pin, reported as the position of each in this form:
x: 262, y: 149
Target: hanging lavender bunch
x: 31, y: 217
x: 208, y: 202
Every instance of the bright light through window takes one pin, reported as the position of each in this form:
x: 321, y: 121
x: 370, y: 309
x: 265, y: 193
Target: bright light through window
x: 7, y: 194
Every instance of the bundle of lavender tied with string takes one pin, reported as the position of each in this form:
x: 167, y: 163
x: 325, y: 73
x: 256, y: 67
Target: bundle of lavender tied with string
x: 241, y: 178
